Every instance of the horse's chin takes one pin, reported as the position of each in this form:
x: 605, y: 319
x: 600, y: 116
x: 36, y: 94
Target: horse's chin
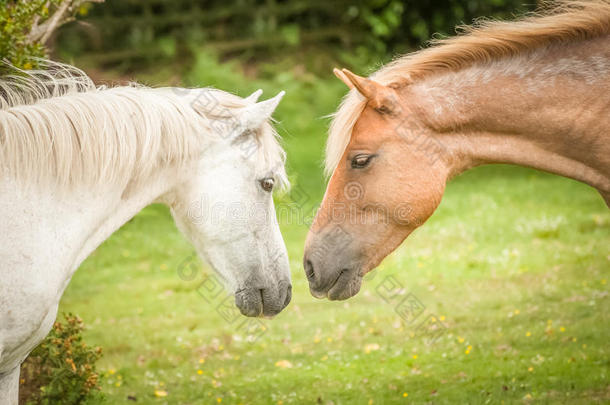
x: 343, y: 294
x: 347, y: 285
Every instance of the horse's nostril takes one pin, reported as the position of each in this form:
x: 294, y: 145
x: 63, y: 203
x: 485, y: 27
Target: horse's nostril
x: 309, y: 273
x: 288, y: 296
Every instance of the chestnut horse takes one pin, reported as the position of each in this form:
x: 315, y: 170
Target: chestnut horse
x: 533, y: 92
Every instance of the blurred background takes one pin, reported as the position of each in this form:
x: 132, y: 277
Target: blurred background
x: 514, y: 263
x: 309, y: 35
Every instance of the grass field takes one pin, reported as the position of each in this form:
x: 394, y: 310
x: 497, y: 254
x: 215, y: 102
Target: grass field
x: 514, y: 263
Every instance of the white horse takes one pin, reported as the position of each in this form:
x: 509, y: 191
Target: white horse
x: 77, y: 161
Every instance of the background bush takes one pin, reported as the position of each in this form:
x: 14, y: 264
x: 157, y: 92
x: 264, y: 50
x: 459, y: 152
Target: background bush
x: 132, y: 32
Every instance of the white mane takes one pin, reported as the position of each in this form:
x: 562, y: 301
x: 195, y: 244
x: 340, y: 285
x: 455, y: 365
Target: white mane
x: 57, y: 126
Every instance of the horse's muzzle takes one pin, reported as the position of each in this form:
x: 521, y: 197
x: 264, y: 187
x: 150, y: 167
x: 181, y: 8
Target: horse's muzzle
x: 339, y: 284
x: 266, y: 302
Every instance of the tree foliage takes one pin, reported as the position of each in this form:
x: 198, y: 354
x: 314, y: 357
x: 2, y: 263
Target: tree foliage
x: 16, y: 21
x: 27, y: 25
x: 255, y: 27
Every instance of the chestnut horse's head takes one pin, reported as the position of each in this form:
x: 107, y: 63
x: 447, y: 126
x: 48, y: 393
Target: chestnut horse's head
x: 388, y: 181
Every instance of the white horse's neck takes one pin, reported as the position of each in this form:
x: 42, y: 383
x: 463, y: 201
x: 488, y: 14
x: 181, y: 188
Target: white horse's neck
x: 45, y: 237
x: 116, y: 207
x: 107, y: 209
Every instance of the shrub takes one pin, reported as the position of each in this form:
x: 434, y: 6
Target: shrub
x: 16, y: 21
x: 27, y: 25
x: 61, y: 370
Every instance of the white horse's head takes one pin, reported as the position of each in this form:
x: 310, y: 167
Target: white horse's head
x: 226, y: 206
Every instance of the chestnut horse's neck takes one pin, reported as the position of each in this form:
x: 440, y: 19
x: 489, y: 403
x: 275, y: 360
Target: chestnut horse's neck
x: 548, y: 110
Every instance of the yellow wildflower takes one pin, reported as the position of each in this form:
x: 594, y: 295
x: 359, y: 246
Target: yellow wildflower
x: 371, y: 347
x: 283, y: 364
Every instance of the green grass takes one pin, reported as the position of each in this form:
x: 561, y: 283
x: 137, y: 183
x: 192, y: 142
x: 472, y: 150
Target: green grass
x: 515, y: 262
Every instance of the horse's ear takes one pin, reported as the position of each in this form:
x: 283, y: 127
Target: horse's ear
x: 341, y: 76
x: 382, y: 98
x: 253, y: 98
x: 253, y: 116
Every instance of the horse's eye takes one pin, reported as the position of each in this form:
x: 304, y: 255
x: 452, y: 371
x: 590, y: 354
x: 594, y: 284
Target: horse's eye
x: 361, y: 161
x: 267, y: 183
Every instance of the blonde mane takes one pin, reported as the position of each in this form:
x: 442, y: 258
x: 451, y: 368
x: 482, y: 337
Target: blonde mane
x: 564, y: 22
x: 57, y: 126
